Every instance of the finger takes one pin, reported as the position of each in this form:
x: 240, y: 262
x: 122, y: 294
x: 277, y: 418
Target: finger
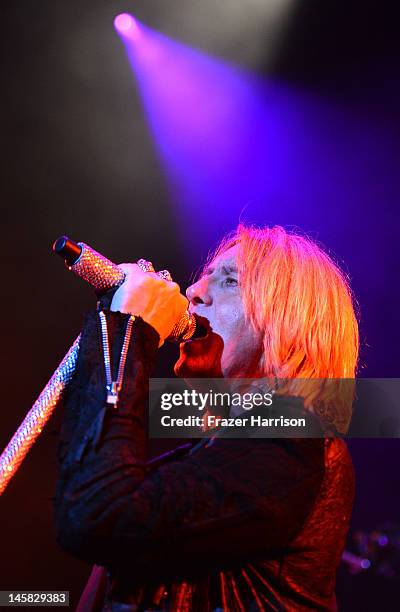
x: 185, y: 302
x: 129, y: 268
x: 161, y: 279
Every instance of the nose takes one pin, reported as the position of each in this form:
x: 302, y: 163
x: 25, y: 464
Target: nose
x: 199, y: 293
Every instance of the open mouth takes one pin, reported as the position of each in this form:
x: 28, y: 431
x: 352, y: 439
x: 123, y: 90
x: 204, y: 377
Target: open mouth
x: 203, y: 329
x: 201, y: 355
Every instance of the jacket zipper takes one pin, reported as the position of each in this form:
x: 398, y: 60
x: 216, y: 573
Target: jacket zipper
x: 114, y: 386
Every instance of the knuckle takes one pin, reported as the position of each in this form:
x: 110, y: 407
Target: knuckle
x: 127, y: 267
x: 146, y: 280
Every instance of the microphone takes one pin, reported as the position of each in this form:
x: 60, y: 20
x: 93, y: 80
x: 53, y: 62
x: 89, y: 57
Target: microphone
x: 103, y: 275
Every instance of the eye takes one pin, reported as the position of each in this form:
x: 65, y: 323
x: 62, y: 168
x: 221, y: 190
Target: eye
x: 231, y: 282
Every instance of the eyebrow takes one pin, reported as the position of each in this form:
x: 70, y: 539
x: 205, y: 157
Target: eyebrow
x: 226, y: 269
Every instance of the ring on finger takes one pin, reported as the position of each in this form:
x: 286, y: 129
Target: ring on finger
x: 164, y: 274
x: 145, y: 265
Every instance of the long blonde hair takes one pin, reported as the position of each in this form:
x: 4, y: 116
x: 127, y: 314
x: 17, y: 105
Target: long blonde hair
x: 299, y: 299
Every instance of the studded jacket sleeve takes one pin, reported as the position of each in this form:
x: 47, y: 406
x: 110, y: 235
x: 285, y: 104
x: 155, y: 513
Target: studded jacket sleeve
x: 231, y: 501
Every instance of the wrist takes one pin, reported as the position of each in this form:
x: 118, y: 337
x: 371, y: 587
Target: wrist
x: 141, y: 321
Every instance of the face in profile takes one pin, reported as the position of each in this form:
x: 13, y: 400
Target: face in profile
x: 231, y: 347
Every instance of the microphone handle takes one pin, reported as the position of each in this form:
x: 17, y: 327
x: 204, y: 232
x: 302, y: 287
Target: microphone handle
x: 88, y: 264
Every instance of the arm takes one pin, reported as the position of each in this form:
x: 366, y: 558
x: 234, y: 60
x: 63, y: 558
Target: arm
x: 235, y: 499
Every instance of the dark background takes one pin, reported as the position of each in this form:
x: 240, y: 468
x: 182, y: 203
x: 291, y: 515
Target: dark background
x: 78, y: 158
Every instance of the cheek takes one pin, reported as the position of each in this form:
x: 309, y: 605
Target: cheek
x: 242, y: 347
x: 230, y: 319
x: 236, y: 335
x: 240, y: 340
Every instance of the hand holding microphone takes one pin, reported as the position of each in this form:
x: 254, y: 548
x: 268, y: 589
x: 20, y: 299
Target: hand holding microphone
x: 103, y: 275
x: 150, y: 295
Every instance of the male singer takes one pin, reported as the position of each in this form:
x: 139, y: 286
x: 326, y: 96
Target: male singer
x: 232, y: 525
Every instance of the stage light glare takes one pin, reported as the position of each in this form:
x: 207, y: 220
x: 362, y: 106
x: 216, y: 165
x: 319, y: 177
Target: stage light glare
x: 124, y: 23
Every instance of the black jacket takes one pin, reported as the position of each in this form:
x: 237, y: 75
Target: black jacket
x: 253, y: 524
